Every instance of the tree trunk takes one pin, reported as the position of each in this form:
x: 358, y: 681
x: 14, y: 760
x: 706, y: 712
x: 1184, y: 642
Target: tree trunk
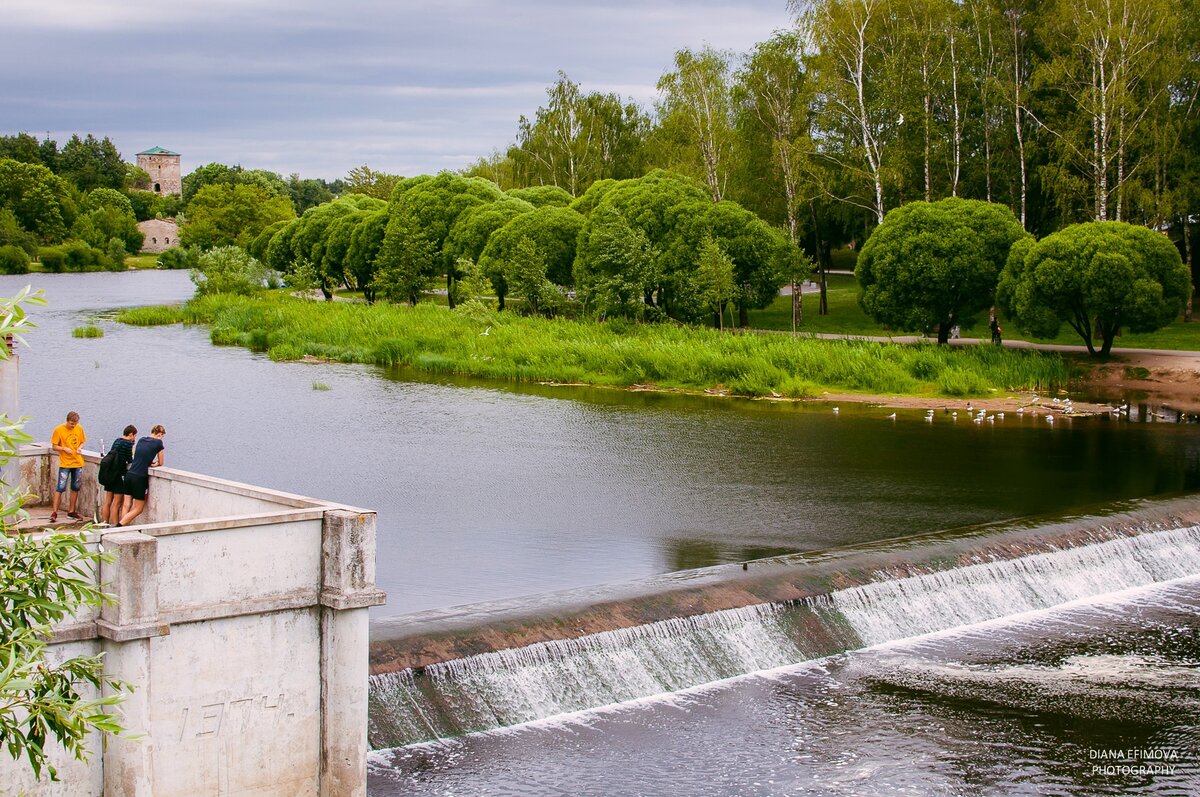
x: 450, y: 289
x: 743, y: 315
x: 944, y: 333
x: 1191, y: 264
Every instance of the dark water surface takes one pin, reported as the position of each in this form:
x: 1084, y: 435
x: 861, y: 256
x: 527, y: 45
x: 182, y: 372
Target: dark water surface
x: 486, y: 492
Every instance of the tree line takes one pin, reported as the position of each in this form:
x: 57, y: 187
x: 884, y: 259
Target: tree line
x: 1063, y: 110
x: 651, y: 247
x: 77, y: 207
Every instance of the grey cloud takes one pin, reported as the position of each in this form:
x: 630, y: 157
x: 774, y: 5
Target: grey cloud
x: 317, y: 87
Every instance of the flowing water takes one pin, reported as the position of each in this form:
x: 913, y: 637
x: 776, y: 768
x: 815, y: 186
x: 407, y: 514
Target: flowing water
x: 489, y: 492
x: 1092, y: 699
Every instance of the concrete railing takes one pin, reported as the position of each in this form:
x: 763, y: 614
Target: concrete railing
x: 241, y: 619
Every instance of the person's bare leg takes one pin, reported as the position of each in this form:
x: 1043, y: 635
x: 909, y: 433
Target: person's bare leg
x: 72, y: 501
x: 133, y: 512
x: 54, y: 499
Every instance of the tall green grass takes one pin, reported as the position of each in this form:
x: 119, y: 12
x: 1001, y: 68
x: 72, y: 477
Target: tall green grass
x: 436, y: 340
x: 90, y: 331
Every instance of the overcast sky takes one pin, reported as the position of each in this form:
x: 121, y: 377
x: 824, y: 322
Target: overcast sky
x: 320, y: 86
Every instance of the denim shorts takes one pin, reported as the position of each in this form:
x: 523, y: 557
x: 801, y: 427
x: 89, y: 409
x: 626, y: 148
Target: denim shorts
x: 74, y: 474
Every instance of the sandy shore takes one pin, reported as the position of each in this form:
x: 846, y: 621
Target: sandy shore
x: 1168, y: 379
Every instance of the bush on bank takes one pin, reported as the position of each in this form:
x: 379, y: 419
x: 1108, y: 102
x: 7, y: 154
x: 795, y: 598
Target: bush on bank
x: 480, y: 343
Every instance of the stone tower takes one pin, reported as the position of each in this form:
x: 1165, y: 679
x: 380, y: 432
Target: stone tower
x: 163, y: 167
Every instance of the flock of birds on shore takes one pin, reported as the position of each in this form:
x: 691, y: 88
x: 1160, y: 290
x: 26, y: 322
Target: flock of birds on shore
x: 1060, y: 407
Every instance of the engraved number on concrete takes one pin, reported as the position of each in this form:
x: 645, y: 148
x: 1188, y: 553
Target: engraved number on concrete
x: 235, y: 716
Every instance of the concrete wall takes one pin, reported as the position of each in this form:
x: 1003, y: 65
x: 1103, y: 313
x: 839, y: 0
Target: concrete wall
x: 243, y: 627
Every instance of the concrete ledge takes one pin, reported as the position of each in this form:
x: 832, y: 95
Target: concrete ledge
x: 356, y: 600
x: 76, y: 632
x: 124, y: 633
x: 300, y: 599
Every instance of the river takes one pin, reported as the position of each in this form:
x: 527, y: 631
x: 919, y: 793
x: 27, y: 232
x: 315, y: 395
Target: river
x: 488, y: 492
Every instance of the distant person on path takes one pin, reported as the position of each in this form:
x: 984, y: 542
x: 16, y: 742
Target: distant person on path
x: 996, y: 330
x: 114, y: 481
x: 147, y: 454
x: 67, y: 439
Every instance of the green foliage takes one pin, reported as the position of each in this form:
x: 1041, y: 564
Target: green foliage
x: 73, y: 256
x: 13, y: 260
x: 229, y: 269
x: 576, y: 139
x: 269, y: 183
x: 541, y: 196
x: 90, y: 331
x: 715, y: 279
x: 105, y: 198
x: 101, y: 222
x: 225, y: 214
x: 617, y: 267
x: 53, y: 259
x: 13, y: 234
x: 472, y: 284
x: 552, y: 230
x: 149, y: 205
x: 115, y: 252
x: 525, y: 274
x: 38, y: 199
x: 933, y: 265
x: 179, y: 257
x: 92, y: 163
x: 365, y: 180
x: 406, y: 261
x: 1097, y: 277
x: 44, y: 580
x: 365, y: 243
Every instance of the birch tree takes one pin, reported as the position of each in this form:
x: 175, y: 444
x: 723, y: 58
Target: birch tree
x: 695, y: 115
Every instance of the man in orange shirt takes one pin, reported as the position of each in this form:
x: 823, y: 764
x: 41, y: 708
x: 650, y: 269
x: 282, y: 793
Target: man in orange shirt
x: 68, y: 439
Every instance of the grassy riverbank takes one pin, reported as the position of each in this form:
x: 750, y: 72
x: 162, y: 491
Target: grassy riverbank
x: 510, y: 347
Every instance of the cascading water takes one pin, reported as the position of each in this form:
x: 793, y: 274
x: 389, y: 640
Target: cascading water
x: 508, y: 687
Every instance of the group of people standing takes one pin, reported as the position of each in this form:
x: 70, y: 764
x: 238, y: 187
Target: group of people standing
x: 125, y: 476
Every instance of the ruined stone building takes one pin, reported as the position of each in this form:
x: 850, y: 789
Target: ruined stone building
x: 160, y: 234
x: 163, y: 167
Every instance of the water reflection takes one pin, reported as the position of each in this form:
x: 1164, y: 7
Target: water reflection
x: 488, y: 492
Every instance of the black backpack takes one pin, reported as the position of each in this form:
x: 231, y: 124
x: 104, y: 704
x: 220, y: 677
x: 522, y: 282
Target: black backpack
x: 109, y: 468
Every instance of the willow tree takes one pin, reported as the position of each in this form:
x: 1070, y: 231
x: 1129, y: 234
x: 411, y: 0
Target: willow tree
x: 935, y: 264
x: 1098, y: 278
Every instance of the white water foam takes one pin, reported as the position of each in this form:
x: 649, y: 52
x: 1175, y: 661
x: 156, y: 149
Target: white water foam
x: 888, y: 610
x: 531, y: 684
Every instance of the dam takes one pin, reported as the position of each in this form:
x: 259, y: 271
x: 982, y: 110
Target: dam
x: 241, y: 619
x: 439, y: 674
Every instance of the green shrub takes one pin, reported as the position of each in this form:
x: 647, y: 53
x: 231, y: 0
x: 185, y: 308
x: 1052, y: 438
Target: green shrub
x: 179, y: 257
x: 53, y: 259
x: 115, y: 255
x: 229, y: 269
x: 82, y: 257
x: 958, y: 381
x: 13, y: 260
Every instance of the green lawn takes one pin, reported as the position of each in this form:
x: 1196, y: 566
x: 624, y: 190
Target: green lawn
x: 847, y: 318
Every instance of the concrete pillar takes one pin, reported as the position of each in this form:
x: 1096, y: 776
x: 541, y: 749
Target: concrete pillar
x: 347, y: 589
x: 10, y: 405
x: 127, y: 626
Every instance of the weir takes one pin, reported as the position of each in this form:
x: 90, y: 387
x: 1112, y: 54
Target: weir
x: 445, y: 673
